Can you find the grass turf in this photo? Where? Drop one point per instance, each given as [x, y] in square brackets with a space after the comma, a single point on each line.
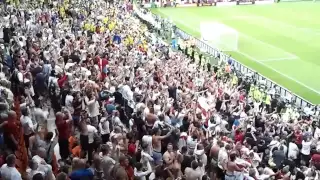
[280, 41]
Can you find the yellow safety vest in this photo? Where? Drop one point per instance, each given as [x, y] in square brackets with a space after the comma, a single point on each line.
[268, 99]
[234, 80]
[252, 89]
[257, 95]
[105, 20]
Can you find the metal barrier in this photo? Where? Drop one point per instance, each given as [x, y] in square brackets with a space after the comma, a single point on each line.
[299, 101]
[284, 92]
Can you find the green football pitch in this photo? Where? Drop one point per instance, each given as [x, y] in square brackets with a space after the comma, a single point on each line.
[280, 41]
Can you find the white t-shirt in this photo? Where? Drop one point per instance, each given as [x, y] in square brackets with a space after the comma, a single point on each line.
[243, 116]
[46, 168]
[293, 150]
[316, 133]
[27, 125]
[147, 139]
[222, 157]
[306, 147]
[83, 55]
[104, 126]
[91, 131]
[9, 173]
[1, 33]
[92, 107]
[68, 102]
[39, 115]
[116, 121]
[191, 143]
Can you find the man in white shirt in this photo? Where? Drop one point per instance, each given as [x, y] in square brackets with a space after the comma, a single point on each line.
[305, 150]
[116, 119]
[223, 156]
[68, 102]
[27, 125]
[104, 128]
[41, 163]
[39, 115]
[33, 169]
[138, 172]
[293, 150]
[8, 171]
[191, 143]
[93, 109]
[92, 132]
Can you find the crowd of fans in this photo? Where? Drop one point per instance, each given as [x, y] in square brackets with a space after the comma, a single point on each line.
[90, 91]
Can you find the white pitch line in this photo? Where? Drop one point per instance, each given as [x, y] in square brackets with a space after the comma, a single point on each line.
[243, 35]
[279, 72]
[269, 45]
[313, 31]
[278, 59]
[257, 61]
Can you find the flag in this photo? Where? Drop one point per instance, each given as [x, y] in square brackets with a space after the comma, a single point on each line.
[203, 106]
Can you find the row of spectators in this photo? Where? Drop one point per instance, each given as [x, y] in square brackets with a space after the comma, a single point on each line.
[89, 91]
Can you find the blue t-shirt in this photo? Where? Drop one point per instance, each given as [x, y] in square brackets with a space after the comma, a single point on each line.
[236, 122]
[110, 108]
[82, 174]
[117, 39]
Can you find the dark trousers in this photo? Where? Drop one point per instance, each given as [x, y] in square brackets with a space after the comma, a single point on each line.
[91, 148]
[84, 142]
[64, 148]
[9, 143]
[26, 140]
[105, 138]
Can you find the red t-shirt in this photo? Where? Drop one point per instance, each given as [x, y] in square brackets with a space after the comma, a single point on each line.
[239, 137]
[131, 149]
[11, 128]
[62, 80]
[315, 159]
[63, 129]
[130, 172]
[241, 97]
[298, 138]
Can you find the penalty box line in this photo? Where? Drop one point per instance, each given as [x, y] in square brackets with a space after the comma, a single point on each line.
[279, 59]
[257, 61]
[277, 71]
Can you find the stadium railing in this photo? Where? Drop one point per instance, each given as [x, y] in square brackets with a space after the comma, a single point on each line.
[299, 101]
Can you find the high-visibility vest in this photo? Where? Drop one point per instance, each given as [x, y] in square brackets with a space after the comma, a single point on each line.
[252, 89]
[234, 80]
[189, 51]
[105, 20]
[268, 99]
[257, 95]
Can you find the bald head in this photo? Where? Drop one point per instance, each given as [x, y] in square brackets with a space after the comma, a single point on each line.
[59, 115]
[78, 163]
[62, 176]
[11, 160]
[12, 114]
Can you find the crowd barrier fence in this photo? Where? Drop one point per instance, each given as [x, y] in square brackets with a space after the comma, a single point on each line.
[299, 101]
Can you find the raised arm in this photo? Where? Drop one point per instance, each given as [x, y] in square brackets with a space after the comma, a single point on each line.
[165, 136]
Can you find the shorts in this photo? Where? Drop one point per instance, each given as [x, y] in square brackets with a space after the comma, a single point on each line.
[219, 172]
[84, 142]
[157, 157]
